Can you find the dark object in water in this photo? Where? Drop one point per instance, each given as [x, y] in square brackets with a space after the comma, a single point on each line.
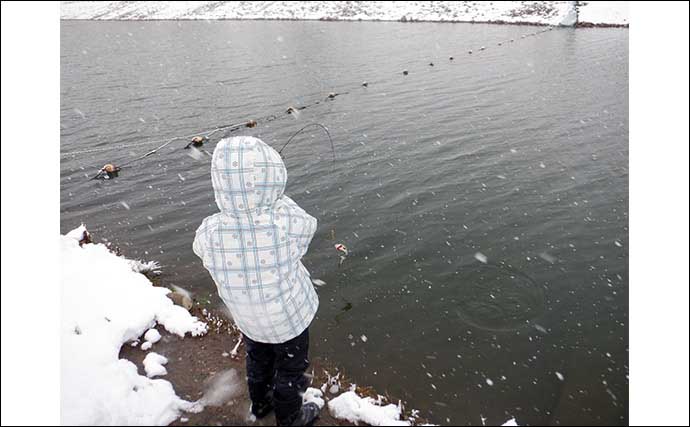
[405, 72]
[431, 64]
[470, 51]
[111, 168]
[251, 124]
[343, 311]
[197, 142]
[108, 171]
[292, 109]
[451, 58]
[365, 84]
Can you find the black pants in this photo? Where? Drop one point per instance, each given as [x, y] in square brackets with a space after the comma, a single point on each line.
[279, 368]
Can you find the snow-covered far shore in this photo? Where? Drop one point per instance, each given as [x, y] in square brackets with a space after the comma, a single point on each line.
[108, 303]
[605, 13]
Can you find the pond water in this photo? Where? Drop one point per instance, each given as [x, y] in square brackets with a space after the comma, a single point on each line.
[484, 200]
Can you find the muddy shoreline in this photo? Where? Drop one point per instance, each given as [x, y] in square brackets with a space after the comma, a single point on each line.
[193, 361]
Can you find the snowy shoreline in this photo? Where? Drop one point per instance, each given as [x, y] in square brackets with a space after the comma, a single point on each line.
[110, 308]
[107, 303]
[409, 21]
[579, 14]
[110, 314]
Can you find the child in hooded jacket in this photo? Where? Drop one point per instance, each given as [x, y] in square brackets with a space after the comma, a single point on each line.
[253, 248]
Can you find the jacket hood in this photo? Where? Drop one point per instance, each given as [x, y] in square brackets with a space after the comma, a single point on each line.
[247, 175]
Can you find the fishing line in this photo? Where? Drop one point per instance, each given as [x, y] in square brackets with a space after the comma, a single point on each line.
[302, 129]
[139, 144]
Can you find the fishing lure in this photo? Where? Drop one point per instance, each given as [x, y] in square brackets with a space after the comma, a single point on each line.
[342, 248]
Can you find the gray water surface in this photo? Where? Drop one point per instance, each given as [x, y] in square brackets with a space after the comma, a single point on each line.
[518, 153]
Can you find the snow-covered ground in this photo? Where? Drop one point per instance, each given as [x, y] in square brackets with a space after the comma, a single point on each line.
[604, 12]
[534, 12]
[106, 303]
[355, 409]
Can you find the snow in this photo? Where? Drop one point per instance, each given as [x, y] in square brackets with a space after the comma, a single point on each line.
[78, 233]
[604, 12]
[571, 15]
[234, 351]
[105, 304]
[153, 365]
[318, 282]
[546, 13]
[349, 406]
[144, 267]
[313, 395]
[152, 336]
[481, 257]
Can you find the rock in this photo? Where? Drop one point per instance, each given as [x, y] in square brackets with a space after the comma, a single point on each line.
[181, 300]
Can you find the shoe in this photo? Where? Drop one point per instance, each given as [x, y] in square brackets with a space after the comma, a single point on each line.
[261, 409]
[307, 415]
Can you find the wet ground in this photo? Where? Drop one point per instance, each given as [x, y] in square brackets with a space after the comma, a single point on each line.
[194, 362]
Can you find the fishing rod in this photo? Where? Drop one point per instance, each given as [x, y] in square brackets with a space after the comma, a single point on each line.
[302, 129]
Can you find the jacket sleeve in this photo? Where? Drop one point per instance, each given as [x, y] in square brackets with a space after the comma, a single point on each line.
[301, 230]
[199, 245]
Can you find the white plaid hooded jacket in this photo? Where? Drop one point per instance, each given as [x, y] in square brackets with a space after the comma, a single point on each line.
[253, 246]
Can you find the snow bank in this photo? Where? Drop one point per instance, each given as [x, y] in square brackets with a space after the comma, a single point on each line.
[349, 406]
[544, 12]
[105, 304]
[152, 336]
[604, 12]
[313, 395]
[153, 365]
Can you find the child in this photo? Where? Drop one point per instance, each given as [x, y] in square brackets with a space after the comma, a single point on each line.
[252, 248]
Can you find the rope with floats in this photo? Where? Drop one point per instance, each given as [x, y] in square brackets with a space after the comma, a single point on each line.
[199, 138]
